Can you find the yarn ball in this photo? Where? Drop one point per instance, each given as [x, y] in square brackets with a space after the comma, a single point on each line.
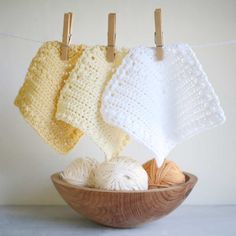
[80, 172]
[151, 169]
[121, 173]
[168, 174]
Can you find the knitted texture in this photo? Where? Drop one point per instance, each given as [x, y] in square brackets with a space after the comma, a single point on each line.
[80, 99]
[38, 96]
[161, 103]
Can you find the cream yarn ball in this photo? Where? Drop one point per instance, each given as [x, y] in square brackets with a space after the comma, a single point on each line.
[121, 173]
[80, 172]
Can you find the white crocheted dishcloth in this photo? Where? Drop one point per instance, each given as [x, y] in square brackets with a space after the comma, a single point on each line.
[161, 103]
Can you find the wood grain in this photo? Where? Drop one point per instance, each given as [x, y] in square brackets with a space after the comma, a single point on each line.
[111, 39]
[123, 209]
[158, 34]
[66, 35]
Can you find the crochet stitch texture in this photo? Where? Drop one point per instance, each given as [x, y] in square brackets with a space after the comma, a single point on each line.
[80, 99]
[38, 96]
[161, 103]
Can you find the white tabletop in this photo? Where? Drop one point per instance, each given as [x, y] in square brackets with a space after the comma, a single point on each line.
[61, 220]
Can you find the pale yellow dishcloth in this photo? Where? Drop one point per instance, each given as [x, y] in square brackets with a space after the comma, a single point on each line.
[80, 99]
[38, 96]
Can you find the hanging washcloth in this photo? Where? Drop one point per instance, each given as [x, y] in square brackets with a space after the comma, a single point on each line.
[80, 99]
[38, 96]
[161, 103]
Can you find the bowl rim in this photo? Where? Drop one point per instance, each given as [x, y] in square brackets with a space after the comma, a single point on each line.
[190, 179]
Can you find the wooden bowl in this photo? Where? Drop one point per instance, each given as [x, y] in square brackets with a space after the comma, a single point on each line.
[122, 209]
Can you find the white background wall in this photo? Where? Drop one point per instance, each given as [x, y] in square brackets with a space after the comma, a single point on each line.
[26, 162]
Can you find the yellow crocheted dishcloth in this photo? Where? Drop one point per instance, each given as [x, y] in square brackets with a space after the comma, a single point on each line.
[38, 96]
[80, 99]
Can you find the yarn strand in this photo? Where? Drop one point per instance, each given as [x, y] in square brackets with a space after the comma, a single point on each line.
[5, 35]
[203, 45]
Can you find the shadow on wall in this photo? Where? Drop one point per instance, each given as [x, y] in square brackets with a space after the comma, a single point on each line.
[25, 162]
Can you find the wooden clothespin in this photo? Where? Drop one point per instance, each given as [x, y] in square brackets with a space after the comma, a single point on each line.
[111, 37]
[66, 35]
[158, 34]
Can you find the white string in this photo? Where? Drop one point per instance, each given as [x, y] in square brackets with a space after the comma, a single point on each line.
[204, 45]
[19, 37]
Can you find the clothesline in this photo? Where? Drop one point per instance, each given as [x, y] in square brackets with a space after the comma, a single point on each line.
[204, 45]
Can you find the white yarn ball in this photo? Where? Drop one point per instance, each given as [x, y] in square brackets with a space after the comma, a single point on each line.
[80, 172]
[121, 173]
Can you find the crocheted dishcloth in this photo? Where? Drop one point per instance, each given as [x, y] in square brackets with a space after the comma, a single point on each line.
[80, 99]
[161, 103]
[38, 96]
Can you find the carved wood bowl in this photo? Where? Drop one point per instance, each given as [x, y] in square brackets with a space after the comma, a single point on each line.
[123, 209]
